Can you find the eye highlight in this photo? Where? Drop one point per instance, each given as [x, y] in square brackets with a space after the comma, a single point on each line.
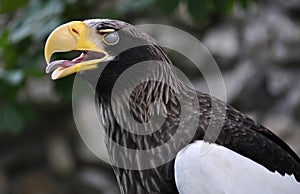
[111, 38]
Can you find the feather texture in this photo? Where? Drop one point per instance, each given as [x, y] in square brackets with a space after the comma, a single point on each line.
[155, 96]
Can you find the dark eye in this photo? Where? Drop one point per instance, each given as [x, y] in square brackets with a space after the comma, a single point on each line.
[99, 27]
[111, 38]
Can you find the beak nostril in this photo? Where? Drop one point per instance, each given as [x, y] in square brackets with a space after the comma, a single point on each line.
[75, 31]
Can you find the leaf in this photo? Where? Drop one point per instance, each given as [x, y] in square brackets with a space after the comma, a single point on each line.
[200, 9]
[223, 6]
[64, 88]
[7, 6]
[38, 20]
[12, 77]
[108, 13]
[168, 6]
[7, 51]
[34, 72]
[134, 5]
[13, 118]
[244, 3]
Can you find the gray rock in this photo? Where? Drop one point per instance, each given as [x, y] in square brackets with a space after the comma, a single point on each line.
[3, 183]
[59, 154]
[283, 126]
[239, 78]
[288, 4]
[271, 35]
[222, 41]
[35, 183]
[290, 101]
[279, 81]
[99, 180]
[235, 80]
[38, 90]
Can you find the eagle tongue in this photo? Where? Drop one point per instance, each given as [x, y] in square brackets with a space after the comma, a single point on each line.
[58, 63]
[64, 63]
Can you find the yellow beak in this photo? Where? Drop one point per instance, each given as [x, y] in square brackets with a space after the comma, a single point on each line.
[69, 37]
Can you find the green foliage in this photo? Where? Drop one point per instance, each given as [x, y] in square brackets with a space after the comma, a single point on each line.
[200, 9]
[25, 25]
[223, 6]
[9, 6]
[39, 19]
[168, 6]
[135, 5]
[14, 117]
[64, 88]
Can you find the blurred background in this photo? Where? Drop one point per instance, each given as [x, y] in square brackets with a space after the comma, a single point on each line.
[255, 43]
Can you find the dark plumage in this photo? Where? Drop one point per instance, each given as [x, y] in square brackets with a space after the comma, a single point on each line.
[239, 132]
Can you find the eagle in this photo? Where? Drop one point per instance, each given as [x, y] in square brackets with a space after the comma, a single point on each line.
[162, 135]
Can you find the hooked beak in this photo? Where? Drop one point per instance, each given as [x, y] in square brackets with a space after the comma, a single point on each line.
[72, 36]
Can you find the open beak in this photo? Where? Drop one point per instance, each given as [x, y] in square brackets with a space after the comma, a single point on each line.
[73, 36]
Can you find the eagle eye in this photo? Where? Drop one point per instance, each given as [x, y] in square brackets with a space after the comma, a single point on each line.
[111, 38]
